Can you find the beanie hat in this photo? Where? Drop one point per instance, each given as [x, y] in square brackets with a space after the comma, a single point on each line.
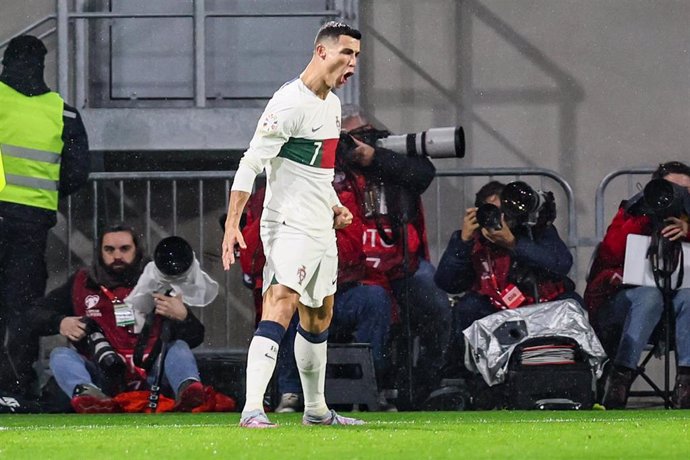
[25, 49]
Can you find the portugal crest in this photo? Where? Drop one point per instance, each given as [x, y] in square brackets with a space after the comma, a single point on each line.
[301, 274]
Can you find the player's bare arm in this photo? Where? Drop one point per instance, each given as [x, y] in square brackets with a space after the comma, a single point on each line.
[233, 235]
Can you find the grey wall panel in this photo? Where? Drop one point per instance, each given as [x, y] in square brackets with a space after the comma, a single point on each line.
[253, 57]
[246, 57]
[170, 129]
[152, 58]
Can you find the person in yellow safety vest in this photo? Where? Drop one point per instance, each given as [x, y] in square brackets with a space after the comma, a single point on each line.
[45, 155]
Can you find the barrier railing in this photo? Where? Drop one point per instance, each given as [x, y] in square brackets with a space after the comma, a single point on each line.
[189, 203]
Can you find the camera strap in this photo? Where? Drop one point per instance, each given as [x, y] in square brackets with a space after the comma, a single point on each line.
[124, 314]
[140, 347]
[665, 256]
[110, 295]
[508, 297]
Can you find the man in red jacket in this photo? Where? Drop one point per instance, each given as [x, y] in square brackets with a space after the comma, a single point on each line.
[387, 189]
[89, 311]
[625, 316]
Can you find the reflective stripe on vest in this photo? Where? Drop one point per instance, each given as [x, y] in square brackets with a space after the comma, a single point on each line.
[31, 145]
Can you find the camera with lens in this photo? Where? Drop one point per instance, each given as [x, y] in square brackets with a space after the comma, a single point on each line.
[489, 216]
[101, 350]
[663, 199]
[433, 143]
[524, 205]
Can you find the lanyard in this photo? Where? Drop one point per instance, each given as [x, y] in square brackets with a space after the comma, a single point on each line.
[113, 298]
[489, 264]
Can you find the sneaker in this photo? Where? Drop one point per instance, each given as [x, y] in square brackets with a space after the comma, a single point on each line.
[681, 392]
[617, 388]
[89, 399]
[289, 402]
[190, 395]
[331, 418]
[384, 404]
[256, 419]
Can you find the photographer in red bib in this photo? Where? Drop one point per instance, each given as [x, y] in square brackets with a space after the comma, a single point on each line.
[89, 311]
[502, 261]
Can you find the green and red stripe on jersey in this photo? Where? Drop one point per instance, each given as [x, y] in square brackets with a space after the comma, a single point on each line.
[310, 152]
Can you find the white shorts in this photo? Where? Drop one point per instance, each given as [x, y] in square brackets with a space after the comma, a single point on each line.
[305, 264]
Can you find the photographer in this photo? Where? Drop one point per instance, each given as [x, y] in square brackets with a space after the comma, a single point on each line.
[502, 263]
[89, 311]
[625, 316]
[387, 187]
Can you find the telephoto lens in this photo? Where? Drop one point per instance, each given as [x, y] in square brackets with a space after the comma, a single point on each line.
[103, 353]
[173, 256]
[519, 199]
[665, 199]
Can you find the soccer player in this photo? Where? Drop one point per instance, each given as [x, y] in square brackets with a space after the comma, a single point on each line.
[295, 142]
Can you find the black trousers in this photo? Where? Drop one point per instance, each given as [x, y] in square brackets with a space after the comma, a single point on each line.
[23, 277]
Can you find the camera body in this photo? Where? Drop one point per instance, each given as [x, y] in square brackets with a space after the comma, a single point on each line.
[489, 216]
[103, 353]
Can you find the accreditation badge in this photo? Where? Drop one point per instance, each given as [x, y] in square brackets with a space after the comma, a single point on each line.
[124, 314]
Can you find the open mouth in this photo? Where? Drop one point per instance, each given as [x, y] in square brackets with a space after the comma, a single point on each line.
[345, 77]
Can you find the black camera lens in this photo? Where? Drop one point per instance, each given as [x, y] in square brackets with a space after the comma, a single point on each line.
[173, 256]
[661, 197]
[519, 199]
[489, 217]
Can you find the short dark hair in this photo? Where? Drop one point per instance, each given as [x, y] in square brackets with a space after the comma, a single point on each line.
[671, 167]
[334, 29]
[492, 188]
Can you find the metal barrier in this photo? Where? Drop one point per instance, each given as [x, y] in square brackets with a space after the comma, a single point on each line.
[149, 178]
[189, 203]
[173, 177]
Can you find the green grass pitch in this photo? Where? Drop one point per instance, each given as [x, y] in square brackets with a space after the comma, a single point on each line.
[414, 435]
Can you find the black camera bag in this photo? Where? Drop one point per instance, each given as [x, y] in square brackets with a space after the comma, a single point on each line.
[549, 385]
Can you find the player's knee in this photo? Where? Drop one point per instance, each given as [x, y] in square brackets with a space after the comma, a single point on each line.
[316, 320]
[279, 304]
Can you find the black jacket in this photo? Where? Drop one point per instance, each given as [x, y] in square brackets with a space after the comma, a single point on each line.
[405, 178]
[75, 163]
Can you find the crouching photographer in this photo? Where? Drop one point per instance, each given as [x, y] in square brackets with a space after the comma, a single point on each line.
[507, 254]
[387, 185]
[89, 311]
[624, 315]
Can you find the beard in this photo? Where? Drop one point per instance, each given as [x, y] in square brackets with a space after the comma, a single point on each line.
[118, 273]
[117, 267]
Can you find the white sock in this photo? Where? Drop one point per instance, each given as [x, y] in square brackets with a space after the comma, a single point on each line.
[261, 361]
[311, 362]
